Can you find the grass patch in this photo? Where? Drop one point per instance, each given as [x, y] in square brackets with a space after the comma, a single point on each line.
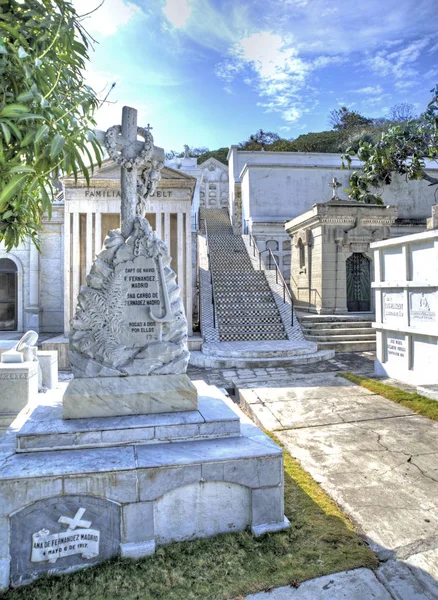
[320, 541]
[419, 404]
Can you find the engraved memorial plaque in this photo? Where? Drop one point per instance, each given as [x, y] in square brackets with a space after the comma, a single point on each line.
[61, 534]
[396, 348]
[422, 308]
[393, 306]
[141, 289]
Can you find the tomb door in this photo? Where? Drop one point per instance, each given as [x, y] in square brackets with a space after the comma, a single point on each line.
[8, 295]
[358, 283]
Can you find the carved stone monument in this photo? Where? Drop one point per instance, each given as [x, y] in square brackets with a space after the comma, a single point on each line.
[130, 457]
[129, 329]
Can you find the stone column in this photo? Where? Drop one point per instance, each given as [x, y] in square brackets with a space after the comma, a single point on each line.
[158, 224]
[33, 320]
[97, 232]
[188, 254]
[75, 259]
[67, 270]
[89, 243]
[180, 256]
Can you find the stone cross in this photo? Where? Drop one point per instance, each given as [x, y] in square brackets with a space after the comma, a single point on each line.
[128, 177]
[335, 185]
[75, 521]
[129, 147]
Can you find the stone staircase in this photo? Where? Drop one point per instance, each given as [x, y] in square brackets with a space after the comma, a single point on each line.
[245, 307]
[343, 333]
[249, 325]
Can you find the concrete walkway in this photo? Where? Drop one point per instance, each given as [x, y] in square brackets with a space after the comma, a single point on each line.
[360, 584]
[377, 459]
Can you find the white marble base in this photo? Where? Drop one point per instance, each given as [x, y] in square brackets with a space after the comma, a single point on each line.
[18, 384]
[133, 395]
[136, 550]
[48, 360]
[258, 530]
[138, 495]
[45, 429]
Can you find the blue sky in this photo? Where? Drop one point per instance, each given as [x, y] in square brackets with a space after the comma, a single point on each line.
[211, 72]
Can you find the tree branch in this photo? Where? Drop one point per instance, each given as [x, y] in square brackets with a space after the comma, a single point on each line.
[431, 180]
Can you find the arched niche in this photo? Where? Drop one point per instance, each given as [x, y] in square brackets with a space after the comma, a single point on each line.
[11, 293]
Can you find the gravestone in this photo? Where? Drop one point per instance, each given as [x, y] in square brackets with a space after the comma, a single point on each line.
[130, 320]
[130, 457]
[58, 534]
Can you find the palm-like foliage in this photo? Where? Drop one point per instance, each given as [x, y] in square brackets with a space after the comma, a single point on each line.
[45, 110]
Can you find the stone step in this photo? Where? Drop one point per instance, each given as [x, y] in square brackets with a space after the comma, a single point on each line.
[348, 346]
[339, 331]
[305, 317]
[326, 326]
[256, 327]
[279, 348]
[250, 316]
[256, 337]
[341, 338]
[198, 359]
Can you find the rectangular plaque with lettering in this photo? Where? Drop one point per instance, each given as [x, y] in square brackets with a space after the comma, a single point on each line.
[141, 288]
[393, 306]
[423, 308]
[396, 348]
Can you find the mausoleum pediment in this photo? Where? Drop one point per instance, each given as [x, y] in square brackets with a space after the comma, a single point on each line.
[213, 162]
[111, 171]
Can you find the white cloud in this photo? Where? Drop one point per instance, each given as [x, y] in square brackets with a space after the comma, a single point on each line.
[108, 18]
[399, 64]
[369, 90]
[277, 72]
[431, 74]
[178, 12]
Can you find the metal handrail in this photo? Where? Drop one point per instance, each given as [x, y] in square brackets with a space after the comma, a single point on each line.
[253, 244]
[278, 274]
[211, 273]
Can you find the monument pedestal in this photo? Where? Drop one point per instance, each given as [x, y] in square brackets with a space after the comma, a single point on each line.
[18, 384]
[132, 395]
[77, 492]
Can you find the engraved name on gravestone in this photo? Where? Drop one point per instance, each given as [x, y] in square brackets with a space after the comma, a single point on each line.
[393, 306]
[396, 348]
[59, 534]
[422, 308]
[140, 280]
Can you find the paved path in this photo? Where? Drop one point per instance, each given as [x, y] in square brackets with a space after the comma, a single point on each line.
[358, 362]
[377, 459]
[360, 584]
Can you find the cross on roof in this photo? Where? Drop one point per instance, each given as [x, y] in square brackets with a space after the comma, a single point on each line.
[75, 521]
[335, 185]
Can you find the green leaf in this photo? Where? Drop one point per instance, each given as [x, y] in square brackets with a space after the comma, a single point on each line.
[12, 188]
[30, 116]
[22, 169]
[26, 96]
[6, 131]
[56, 145]
[42, 132]
[27, 139]
[7, 214]
[13, 110]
